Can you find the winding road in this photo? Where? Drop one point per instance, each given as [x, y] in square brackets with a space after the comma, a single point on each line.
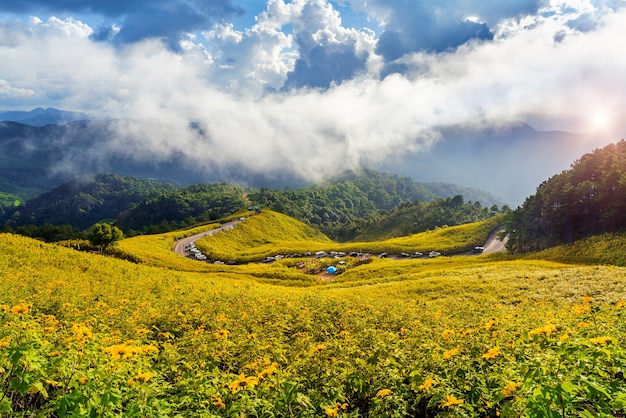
[181, 245]
[492, 244]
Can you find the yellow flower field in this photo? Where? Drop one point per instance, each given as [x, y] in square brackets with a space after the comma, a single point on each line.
[89, 335]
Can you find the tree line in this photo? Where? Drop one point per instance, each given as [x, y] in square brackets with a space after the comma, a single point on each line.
[342, 207]
[587, 199]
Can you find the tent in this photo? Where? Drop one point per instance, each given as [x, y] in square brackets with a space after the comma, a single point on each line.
[331, 269]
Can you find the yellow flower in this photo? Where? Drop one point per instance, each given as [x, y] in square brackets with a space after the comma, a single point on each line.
[143, 331]
[146, 349]
[620, 304]
[221, 334]
[217, 401]
[120, 351]
[450, 353]
[382, 393]
[20, 309]
[601, 340]
[546, 330]
[492, 353]
[82, 380]
[319, 347]
[428, 383]
[581, 309]
[81, 332]
[332, 412]
[5, 342]
[587, 299]
[144, 377]
[447, 333]
[53, 383]
[509, 389]
[490, 324]
[451, 400]
[243, 383]
[270, 370]
[125, 351]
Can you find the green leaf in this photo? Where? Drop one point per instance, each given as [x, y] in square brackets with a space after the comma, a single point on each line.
[5, 406]
[569, 388]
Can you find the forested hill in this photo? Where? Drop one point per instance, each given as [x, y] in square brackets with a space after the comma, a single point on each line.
[587, 199]
[344, 206]
[413, 217]
[84, 201]
[339, 207]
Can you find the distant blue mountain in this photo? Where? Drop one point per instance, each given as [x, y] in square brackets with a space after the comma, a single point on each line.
[42, 117]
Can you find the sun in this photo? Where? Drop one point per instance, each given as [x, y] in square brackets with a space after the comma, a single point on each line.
[600, 120]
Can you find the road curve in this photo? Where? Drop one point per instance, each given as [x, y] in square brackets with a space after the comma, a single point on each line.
[493, 244]
[179, 247]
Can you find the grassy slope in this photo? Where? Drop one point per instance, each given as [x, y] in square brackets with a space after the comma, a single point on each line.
[599, 249]
[271, 233]
[331, 343]
[339, 343]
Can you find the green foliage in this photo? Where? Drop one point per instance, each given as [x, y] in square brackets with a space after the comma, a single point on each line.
[413, 217]
[83, 202]
[103, 235]
[51, 233]
[8, 201]
[585, 200]
[344, 206]
[183, 207]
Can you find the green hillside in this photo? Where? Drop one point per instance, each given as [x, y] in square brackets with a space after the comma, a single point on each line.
[83, 202]
[413, 217]
[586, 200]
[341, 208]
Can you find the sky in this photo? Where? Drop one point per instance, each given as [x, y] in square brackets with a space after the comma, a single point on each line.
[313, 87]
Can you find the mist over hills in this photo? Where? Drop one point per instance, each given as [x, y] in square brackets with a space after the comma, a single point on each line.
[507, 160]
[42, 117]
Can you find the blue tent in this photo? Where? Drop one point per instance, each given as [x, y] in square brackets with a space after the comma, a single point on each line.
[331, 269]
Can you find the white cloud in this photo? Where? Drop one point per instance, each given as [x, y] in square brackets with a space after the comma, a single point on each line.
[310, 132]
[9, 91]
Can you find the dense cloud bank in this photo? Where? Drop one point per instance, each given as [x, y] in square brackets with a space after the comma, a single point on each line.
[298, 91]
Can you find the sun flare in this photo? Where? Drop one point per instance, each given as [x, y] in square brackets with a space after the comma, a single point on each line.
[600, 120]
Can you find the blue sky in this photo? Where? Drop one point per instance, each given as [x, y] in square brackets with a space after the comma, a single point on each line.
[303, 80]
